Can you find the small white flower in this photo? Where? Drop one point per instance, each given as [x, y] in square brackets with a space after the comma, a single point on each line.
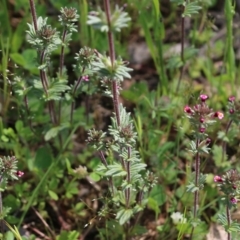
[177, 218]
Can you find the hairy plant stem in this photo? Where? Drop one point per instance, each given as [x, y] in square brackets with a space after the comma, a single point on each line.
[61, 64]
[44, 80]
[182, 49]
[128, 165]
[196, 193]
[224, 144]
[229, 221]
[112, 57]
[116, 103]
[34, 15]
[43, 75]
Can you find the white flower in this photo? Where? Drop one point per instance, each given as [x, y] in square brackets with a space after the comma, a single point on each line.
[177, 218]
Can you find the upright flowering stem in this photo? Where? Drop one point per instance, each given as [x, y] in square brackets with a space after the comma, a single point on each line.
[43, 75]
[127, 193]
[229, 221]
[62, 52]
[112, 57]
[33, 12]
[61, 69]
[196, 193]
[200, 117]
[197, 174]
[126, 165]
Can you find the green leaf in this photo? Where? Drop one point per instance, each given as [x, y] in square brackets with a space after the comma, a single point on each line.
[95, 177]
[136, 92]
[18, 59]
[124, 215]
[68, 235]
[43, 158]
[139, 230]
[15, 232]
[234, 227]
[56, 89]
[191, 8]
[53, 132]
[190, 52]
[153, 204]
[158, 194]
[53, 195]
[19, 126]
[192, 188]
[18, 36]
[8, 236]
[222, 218]
[115, 170]
[30, 57]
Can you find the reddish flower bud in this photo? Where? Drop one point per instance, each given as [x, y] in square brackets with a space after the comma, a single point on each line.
[208, 141]
[187, 109]
[234, 186]
[231, 111]
[203, 97]
[219, 115]
[19, 173]
[233, 200]
[231, 99]
[202, 129]
[217, 179]
[85, 78]
[201, 120]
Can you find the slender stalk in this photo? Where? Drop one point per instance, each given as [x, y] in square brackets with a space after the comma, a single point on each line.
[61, 64]
[229, 221]
[112, 57]
[128, 165]
[182, 49]
[43, 75]
[196, 193]
[103, 159]
[197, 175]
[34, 14]
[116, 103]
